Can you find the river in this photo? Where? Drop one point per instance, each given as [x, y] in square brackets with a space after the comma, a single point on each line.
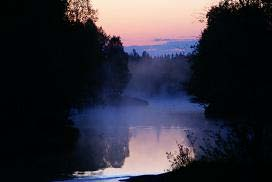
[119, 142]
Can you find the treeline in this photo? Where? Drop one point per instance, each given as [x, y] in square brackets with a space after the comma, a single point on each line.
[135, 56]
[231, 64]
[52, 60]
[231, 72]
[162, 75]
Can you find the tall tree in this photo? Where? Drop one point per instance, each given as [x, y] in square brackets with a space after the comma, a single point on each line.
[80, 10]
[230, 64]
[50, 65]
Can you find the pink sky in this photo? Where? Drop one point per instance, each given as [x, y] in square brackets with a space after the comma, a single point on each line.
[139, 22]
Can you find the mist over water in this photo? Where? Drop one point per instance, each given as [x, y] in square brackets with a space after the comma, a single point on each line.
[132, 137]
[157, 78]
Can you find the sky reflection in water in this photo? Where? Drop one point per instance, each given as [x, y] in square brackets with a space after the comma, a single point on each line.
[130, 141]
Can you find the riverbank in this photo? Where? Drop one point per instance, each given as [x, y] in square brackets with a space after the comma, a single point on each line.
[210, 171]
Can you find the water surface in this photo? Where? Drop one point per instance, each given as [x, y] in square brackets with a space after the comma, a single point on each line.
[124, 141]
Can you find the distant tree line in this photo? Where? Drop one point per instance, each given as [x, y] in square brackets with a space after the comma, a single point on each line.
[135, 56]
[160, 75]
[53, 57]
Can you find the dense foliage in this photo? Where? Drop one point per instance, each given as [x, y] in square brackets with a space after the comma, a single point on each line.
[231, 64]
[50, 64]
[231, 69]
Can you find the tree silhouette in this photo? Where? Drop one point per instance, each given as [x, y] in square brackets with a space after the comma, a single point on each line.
[80, 10]
[231, 67]
[230, 64]
[117, 73]
[49, 65]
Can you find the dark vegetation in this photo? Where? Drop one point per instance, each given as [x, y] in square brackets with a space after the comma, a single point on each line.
[205, 171]
[53, 57]
[231, 63]
[231, 67]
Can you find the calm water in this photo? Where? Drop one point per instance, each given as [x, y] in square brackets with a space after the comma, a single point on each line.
[118, 142]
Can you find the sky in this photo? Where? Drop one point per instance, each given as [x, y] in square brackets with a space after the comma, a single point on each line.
[152, 22]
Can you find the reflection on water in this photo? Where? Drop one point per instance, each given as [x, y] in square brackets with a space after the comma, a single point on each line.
[128, 141]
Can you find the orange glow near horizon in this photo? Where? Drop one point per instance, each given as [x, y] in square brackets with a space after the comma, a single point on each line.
[139, 22]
